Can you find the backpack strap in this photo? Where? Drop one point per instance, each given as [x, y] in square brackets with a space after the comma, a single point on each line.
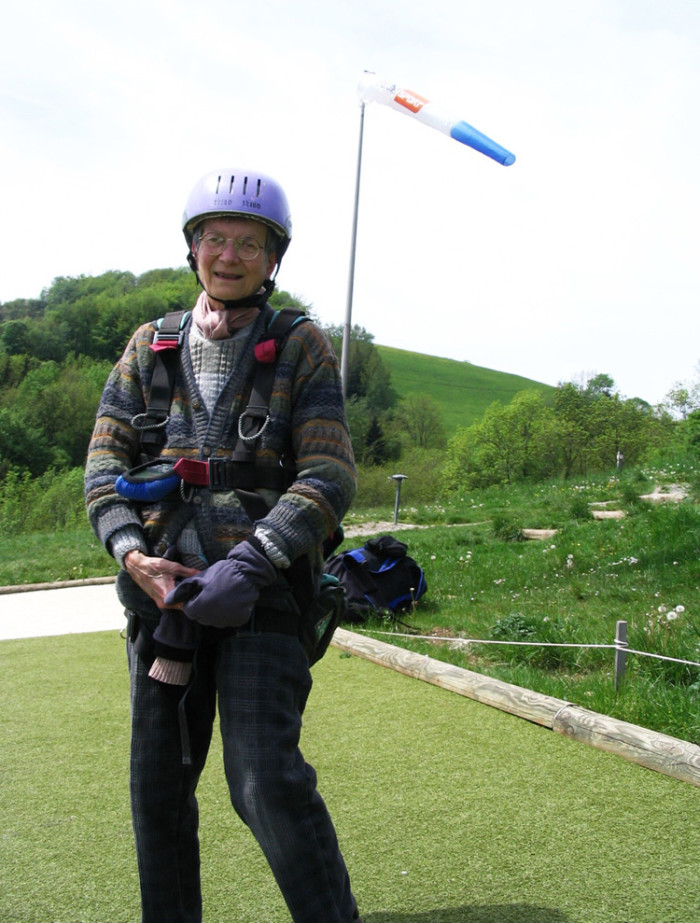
[358, 564]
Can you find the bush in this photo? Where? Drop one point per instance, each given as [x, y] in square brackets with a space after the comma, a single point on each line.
[630, 495]
[514, 627]
[375, 489]
[60, 503]
[50, 503]
[579, 508]
[17, 492]
[505, 528]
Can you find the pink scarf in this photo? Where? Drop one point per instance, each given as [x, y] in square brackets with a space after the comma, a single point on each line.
[218, 323]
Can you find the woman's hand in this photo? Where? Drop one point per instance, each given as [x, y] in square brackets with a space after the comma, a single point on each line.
[156, 576]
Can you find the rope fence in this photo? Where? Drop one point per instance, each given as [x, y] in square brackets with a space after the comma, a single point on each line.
[620, 646]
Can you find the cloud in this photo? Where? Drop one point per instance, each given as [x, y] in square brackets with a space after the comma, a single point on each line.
[581, 256]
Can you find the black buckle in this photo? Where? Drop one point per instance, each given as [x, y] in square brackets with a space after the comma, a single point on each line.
[220, 474]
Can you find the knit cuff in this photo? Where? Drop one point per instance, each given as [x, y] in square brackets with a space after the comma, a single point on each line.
[173, 672]
[130, 538]
[274, 553]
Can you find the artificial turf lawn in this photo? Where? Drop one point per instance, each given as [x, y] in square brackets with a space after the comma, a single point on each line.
[447, 811]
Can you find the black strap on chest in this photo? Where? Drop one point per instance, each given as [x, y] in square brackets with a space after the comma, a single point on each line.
[255, 418]
[166, 345]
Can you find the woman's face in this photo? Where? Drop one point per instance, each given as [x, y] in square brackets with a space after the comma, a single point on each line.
[225, 276]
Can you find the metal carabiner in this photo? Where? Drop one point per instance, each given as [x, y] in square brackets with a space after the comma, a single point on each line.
[247, 413]
[142, 427]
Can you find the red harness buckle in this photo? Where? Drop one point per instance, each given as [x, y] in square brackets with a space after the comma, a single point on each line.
[193, 471]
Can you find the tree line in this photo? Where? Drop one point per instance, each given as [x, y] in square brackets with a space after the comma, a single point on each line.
[56, 352]
[579, 429]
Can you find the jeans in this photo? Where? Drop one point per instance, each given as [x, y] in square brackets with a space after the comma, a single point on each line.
[262, 682]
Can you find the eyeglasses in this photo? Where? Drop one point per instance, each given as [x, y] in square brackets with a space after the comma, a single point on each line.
[247, 248]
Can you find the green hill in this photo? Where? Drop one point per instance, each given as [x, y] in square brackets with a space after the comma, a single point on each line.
[462, 390]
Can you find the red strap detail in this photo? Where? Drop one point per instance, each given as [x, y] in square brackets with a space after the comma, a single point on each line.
[266, 351]
[193, 471]
[163, 344]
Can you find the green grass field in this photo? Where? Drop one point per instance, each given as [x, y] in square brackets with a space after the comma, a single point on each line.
[447, 811]
[462, 391]
[644, 569]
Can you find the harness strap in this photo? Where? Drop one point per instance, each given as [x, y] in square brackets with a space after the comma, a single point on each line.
[166, 344]
[255, 417]
[225, 474]
[253, 504]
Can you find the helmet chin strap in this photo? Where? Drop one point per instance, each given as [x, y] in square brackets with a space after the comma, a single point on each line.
[258, 300]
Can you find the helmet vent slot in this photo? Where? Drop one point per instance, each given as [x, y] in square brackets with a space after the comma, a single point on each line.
[233, 192]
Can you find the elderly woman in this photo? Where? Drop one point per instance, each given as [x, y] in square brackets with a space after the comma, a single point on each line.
[217, 572]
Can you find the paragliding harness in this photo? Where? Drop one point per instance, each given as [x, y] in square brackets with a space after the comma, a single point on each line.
[314, 616]
[240, 472]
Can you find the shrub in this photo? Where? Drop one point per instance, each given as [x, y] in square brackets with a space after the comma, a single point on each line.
[579, 508]
[49, 503]
[505, 528]
[375, 489]
[514, 627]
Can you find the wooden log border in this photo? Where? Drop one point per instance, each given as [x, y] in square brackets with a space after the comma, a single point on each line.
[659, 752]
[58, 585]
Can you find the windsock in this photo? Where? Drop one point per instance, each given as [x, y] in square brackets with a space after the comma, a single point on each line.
[376, 89]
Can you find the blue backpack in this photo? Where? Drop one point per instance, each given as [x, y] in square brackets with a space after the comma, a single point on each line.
[379, 577]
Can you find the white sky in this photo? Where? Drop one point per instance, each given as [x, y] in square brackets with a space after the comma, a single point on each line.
[580, 258]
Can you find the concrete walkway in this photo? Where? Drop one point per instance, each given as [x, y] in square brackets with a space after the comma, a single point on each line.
[62, 611]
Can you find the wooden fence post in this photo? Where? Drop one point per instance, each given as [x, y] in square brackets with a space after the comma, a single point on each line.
[620, 654]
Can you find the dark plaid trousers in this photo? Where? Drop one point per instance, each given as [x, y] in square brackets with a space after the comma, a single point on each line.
[261, 682]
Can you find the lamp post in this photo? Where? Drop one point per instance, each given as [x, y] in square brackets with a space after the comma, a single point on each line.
[399, 478]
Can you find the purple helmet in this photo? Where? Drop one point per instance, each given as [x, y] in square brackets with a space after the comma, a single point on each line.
[236, 192]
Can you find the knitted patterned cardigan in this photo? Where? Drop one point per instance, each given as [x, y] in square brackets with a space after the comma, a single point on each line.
[307, 422]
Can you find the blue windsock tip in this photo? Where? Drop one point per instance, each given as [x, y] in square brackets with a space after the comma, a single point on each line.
[467, 134]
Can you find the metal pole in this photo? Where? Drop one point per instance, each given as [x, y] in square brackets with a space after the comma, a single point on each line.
[345, 353]
[399, 478]
[620, 654]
